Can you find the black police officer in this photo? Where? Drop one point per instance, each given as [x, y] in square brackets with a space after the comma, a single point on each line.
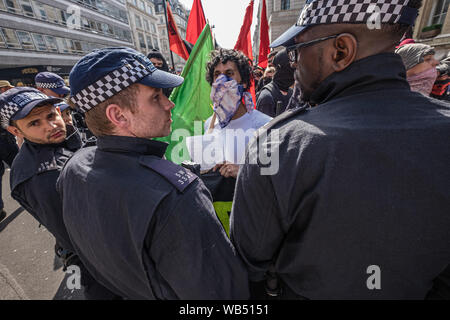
[143, 226]
[357, 205]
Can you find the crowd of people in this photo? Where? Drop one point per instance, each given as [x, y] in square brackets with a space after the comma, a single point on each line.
[362, 180]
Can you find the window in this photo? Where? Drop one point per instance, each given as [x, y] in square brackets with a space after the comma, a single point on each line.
[141, 40]
[52, 16]
[85, 46]
[25, 40]
[85, 24]
[62, 15]
[138, 21]
[2, 6]
[285, 4]
[51, 43]
[62, 45]
[141, 5]
[98, 26]
[27, 8]
[2, 40]
[74, 46]
[153, 28]
[149, 9]
[149, 42]
[123, 16]
[155, 43]
[127, 35]
[13, 6]
[147, 26]
[439, 12]
[106, 28]
[11, 38]
[40, 11]
[93, 26]
[39, 41]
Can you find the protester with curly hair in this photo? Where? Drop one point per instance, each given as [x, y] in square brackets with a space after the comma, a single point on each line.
[229, 72]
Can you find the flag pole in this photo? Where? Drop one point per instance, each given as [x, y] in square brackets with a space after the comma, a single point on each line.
[167, 30]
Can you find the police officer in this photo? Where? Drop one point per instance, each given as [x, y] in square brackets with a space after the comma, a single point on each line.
[8, 149]
[48, 143]
[359, 206]
[143, 226]
[51, 84]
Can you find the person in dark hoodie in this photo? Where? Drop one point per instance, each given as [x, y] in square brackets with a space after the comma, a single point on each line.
[274, 97]
[160, 63]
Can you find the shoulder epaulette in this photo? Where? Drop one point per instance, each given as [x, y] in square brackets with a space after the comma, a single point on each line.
[178, 176]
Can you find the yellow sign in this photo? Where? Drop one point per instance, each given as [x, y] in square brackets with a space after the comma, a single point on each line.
[223, 210]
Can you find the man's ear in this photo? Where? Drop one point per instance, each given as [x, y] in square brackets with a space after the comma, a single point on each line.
[345, 49]
[115, 114]
[15, 131]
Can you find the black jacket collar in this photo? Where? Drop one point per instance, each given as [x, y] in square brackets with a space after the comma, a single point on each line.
[132, 145]
[377, 72]
[34, 158]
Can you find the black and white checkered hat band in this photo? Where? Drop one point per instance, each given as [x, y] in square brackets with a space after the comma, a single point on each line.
[110, 85]
[351, 11]
[48, 85]
[7, 112]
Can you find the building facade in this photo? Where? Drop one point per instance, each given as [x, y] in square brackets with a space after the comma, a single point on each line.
[433, 26]
[181, 15]
[143, 22]
[52, 35]
[281, 15]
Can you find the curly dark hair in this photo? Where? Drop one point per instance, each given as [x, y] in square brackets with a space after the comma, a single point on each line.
[223, 56]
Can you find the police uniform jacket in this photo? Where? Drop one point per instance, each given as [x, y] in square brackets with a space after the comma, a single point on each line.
[146, 228]
[359, 208]
[33, 183]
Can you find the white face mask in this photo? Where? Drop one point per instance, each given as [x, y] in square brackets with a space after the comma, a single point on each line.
[226, 95]
[423, 82]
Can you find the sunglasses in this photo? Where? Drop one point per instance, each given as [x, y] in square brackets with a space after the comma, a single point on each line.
[293, 50]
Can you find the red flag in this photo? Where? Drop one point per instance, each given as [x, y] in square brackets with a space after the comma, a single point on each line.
[196, 22]
[176, 43]
[244, 42]
[263, 38]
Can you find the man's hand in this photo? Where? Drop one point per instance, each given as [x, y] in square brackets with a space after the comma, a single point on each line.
[227, 169]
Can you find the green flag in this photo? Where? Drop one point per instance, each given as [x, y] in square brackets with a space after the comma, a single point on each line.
[192, 99]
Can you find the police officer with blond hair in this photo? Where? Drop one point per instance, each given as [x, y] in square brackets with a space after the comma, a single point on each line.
[144, 227]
